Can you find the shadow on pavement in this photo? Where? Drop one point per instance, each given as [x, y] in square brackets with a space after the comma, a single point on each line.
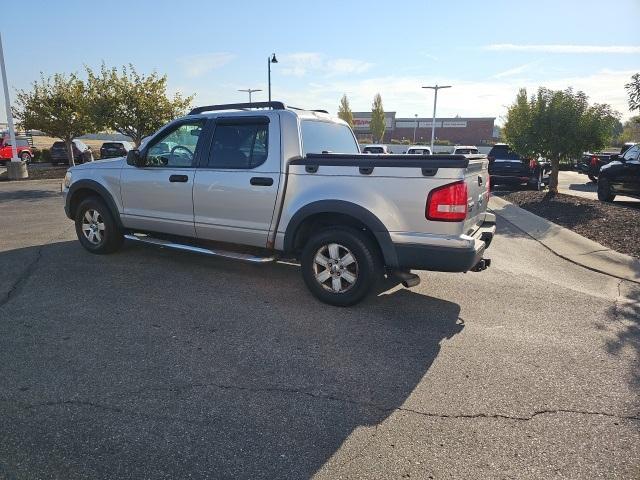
[150, 363]
[27, 195]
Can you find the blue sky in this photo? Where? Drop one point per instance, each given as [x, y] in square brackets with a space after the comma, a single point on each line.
[485, 49]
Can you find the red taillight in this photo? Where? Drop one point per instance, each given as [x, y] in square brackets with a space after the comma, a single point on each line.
[447, 203]
[594, 161]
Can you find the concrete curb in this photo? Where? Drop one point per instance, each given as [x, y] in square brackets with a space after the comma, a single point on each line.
[567, 244]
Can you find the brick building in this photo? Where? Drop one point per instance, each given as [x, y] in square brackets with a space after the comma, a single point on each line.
[458, 130]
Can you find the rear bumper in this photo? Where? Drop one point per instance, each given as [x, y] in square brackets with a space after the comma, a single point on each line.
[462, 257]
[510, 179]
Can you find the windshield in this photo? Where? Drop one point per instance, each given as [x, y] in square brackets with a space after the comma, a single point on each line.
[320, 137]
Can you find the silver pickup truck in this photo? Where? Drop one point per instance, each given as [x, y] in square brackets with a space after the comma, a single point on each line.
[262, 181]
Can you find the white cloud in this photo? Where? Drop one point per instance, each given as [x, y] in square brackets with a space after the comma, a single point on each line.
[301, 63]
[555, 48]
[198, 65]
[514, 71]
[489, 98]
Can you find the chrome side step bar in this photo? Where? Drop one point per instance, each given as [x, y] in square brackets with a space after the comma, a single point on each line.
[245, 257]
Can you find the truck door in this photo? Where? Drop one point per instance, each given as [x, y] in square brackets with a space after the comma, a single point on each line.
[236, 185]
[159, 196]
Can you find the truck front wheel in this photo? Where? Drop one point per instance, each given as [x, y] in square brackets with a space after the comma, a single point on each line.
[96, 228]
[340, 266]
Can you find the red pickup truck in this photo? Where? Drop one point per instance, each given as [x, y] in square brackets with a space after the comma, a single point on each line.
[22, 145]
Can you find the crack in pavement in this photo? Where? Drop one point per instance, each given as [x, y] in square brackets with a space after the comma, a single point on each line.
[320, 396]
[29, 270]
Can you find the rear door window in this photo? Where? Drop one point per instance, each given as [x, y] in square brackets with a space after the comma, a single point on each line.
[241, 146]
[319, 137]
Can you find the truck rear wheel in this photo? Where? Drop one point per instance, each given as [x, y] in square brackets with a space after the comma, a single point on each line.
[340, 266]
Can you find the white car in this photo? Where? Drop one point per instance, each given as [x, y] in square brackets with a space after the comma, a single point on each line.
[377, 148]
[465, 150]
[418, 150]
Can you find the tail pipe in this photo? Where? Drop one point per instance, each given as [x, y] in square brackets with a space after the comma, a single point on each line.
[407, 278]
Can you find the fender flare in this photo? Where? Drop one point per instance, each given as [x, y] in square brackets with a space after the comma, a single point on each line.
[100, 190]
[342, 207]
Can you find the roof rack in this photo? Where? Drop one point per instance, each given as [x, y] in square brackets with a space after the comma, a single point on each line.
[306, 109]
[238, 106]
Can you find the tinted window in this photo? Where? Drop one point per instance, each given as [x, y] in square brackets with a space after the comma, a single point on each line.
[239, 146]
[57, 145]
[176, 148]
[632, 153]
[318, 137]
[503, 152]
[418, 151]
[373, 150]
[466, 151]
[112, 145]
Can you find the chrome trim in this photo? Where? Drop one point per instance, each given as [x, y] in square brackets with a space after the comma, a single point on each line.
[202, 251]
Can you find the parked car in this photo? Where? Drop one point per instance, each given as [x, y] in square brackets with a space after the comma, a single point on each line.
[376, 149]
[257, 181]
[465, 150]
[621, 176]
[81, 153]
[418, 150]
[507, 167]
[591, 163]
[115, 149]
[24, 150]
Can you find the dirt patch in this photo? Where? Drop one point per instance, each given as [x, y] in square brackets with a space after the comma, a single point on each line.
[614, 226]
[41, 172]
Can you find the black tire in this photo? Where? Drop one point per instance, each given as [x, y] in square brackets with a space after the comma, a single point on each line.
[25, 157]
[538, 185]
[604, 191]
[593, 178]
[367, 269]
[110, 235]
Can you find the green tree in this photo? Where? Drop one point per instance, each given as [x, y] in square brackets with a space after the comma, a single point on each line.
[377, 119]
[57, 106]
[631, 130]
[557, 124]
[130, 103]
[633, 90]
[344, 111]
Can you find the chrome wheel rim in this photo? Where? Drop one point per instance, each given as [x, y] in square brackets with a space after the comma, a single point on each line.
[93, 226]
[335, 268]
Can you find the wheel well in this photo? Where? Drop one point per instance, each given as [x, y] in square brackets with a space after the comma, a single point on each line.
[79, 196]
[319, 221]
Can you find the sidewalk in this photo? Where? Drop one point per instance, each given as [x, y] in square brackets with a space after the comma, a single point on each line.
[567, 244]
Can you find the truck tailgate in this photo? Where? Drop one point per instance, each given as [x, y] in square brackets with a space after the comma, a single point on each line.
[477, 180]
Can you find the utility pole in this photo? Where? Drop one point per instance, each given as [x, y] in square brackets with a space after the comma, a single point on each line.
[415, 126]
[16, 169]
[250, 91]
[435, 88]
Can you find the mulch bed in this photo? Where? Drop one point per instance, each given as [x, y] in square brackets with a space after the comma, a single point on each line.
[614, 226]
[44, 172]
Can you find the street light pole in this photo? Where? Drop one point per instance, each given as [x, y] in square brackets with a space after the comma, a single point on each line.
[7, 102]
[415, 126]
[271, 59]
[250, 91]
[435, 88]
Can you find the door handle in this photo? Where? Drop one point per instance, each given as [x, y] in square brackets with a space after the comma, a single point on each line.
[261, 181]
[178, 178]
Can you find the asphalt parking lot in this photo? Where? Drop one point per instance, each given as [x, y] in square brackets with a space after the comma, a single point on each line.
[155, 364]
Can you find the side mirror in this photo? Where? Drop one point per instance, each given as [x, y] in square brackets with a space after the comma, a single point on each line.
[134, 158]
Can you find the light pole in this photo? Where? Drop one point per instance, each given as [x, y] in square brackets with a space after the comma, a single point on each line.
[271, 59]
[435, 88]
[415, 126]
[16, 169]
[250, 91]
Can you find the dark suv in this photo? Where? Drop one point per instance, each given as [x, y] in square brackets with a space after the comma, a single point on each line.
[115, 149]
[621, 176]
[507, 167]
[81, 153]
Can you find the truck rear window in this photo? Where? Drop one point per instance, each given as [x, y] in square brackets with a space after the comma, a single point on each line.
[319, 137]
